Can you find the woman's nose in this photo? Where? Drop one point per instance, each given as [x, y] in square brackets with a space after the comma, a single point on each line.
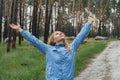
[60, 33]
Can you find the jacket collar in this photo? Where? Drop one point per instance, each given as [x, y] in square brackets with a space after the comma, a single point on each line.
[54, 48]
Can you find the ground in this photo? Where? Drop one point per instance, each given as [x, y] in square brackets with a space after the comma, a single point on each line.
[105, 66]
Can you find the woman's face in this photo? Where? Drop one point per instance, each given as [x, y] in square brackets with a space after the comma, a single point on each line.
[58, 36]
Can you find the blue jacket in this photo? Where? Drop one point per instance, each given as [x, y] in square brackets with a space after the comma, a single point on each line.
[59, 61]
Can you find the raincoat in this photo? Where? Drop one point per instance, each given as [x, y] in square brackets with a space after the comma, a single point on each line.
[59, 61]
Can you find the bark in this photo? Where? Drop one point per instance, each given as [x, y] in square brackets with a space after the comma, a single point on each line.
[46, 34]
[13, 19]
[34, 21]
[21, 20]
[101, 18]
[58, 27]
[50, 14]
[1, 6]
[6, 20]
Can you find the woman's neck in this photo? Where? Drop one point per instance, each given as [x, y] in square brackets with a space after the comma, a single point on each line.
[60, 42]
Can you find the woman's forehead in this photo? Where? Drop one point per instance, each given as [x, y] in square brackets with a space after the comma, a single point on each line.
[58, 32]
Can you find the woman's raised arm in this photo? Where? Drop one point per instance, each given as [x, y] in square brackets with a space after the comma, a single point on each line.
[30, 38]
[82, 34]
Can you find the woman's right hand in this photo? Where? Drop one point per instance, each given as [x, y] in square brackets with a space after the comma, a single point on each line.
[16, 27]
[91, 20]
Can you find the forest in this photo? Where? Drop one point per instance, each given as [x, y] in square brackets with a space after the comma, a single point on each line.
[42, 17]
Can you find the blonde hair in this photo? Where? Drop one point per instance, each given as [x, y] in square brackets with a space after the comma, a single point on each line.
[51, 42]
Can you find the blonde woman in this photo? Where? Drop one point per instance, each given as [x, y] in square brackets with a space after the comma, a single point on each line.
[60, 56]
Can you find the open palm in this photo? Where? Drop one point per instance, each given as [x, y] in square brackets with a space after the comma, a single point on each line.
[13, 26]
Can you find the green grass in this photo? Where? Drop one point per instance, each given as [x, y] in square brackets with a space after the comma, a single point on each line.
[23, 63]
[27, 63]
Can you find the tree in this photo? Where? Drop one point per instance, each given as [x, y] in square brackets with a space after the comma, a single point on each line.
[21, 19]
[13, 19]
[101, 18]
[5, 34]
[48, 14]
[35, 19]
[59, 20]
[1, 6]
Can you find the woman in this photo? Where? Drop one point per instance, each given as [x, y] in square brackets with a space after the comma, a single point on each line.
[60, 56]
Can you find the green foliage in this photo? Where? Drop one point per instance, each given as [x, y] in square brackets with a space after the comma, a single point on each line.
[104, 31]
[92, 34]
[85, 2]
[108, 12]
[118, 7]
[30, 2]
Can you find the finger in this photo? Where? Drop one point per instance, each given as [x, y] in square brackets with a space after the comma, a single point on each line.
[10, 25]
[13, 25]
[18, 24]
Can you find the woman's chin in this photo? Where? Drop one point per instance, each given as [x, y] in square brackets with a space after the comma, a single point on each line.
[63, 38]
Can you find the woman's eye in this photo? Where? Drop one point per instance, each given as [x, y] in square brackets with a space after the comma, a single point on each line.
[57, 33]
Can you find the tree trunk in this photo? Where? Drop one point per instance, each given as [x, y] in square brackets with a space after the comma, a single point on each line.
[21, 20]
[46, 32]
[5, 34]
[58, 26]
[1, 6]
[101, 18]
[25, 6]
[50, 13]
[39, 19]
[13, 19]
[34, 21]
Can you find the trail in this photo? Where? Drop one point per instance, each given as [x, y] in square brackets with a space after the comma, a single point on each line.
[106, 66]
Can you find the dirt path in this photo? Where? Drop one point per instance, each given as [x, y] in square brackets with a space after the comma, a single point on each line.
[104, 67]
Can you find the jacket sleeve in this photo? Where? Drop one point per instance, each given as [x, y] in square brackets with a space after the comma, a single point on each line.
[34, 41]
[81, 36]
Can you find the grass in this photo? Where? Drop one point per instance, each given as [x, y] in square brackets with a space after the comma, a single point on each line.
[27, 63]
[23, 63]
